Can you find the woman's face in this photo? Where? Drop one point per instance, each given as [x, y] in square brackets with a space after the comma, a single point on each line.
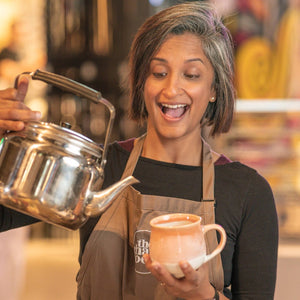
[178, 87]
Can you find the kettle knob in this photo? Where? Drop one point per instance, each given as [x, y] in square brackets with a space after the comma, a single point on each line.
[65, 125]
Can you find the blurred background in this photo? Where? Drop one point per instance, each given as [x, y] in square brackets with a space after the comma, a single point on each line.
[88, 41]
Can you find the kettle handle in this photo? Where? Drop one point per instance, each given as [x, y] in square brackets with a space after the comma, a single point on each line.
[78, 89]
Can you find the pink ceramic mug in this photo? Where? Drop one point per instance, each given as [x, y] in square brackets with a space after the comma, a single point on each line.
[177, 237]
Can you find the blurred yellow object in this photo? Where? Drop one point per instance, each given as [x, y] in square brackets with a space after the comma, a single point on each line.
[253, 68]
[264, 70]
[287, 65]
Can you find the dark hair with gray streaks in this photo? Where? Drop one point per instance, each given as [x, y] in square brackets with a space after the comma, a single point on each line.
[200, 19]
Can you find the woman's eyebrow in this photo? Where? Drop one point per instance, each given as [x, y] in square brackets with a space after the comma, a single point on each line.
[195, 59]
[159, 59]
[186, 61]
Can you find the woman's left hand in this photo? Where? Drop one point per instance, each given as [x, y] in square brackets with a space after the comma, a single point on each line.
[195, 284]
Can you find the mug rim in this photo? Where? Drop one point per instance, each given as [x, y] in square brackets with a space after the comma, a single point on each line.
[167, 217]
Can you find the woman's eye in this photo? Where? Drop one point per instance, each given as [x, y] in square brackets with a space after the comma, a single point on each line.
[192, 76]
[159, 74]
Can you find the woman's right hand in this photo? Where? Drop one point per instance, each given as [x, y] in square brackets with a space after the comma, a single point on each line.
[13, 112]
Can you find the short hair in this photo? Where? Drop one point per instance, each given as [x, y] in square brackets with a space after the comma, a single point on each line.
[202, 20]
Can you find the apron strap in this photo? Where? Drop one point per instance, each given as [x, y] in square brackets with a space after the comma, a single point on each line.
[216, 274]
[208, 176]
[134, 156]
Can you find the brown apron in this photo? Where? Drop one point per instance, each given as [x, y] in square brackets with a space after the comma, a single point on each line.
[112, 264]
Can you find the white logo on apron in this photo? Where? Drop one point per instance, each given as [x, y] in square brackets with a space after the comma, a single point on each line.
[141, 247]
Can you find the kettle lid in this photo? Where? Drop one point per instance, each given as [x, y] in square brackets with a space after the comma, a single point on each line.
[63, 137]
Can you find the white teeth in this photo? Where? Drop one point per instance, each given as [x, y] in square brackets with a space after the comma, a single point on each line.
[173, 106]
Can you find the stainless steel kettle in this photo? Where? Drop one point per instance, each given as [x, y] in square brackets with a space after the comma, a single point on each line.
[53, 173]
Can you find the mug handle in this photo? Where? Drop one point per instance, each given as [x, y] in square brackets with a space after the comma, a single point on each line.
[222, 243]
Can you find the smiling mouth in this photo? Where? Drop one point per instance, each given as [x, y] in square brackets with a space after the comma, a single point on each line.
[174, 110]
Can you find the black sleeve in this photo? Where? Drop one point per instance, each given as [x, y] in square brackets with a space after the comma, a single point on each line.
[255, 257]
[10, 219]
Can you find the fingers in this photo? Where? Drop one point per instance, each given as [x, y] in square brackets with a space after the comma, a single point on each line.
[22, 88]
[190, 274]
[8, 94]
[162, 274]
[159, 271]
[23, 115]
[11, 126]
[176, 287]
[18, 93]
[193, 284]
[13, 111]
[14, 120]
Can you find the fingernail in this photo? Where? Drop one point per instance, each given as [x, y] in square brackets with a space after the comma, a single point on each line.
[184, 265]
[38, 114]
[156, 266]
[19, 125]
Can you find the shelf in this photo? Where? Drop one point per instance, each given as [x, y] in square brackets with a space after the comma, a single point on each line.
[267, 105]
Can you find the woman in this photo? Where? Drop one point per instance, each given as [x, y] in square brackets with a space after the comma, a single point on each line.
[181, 80]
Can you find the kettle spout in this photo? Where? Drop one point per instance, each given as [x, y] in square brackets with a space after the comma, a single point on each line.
[102, 200]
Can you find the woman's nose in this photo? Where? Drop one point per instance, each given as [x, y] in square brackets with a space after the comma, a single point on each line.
[172, 86]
